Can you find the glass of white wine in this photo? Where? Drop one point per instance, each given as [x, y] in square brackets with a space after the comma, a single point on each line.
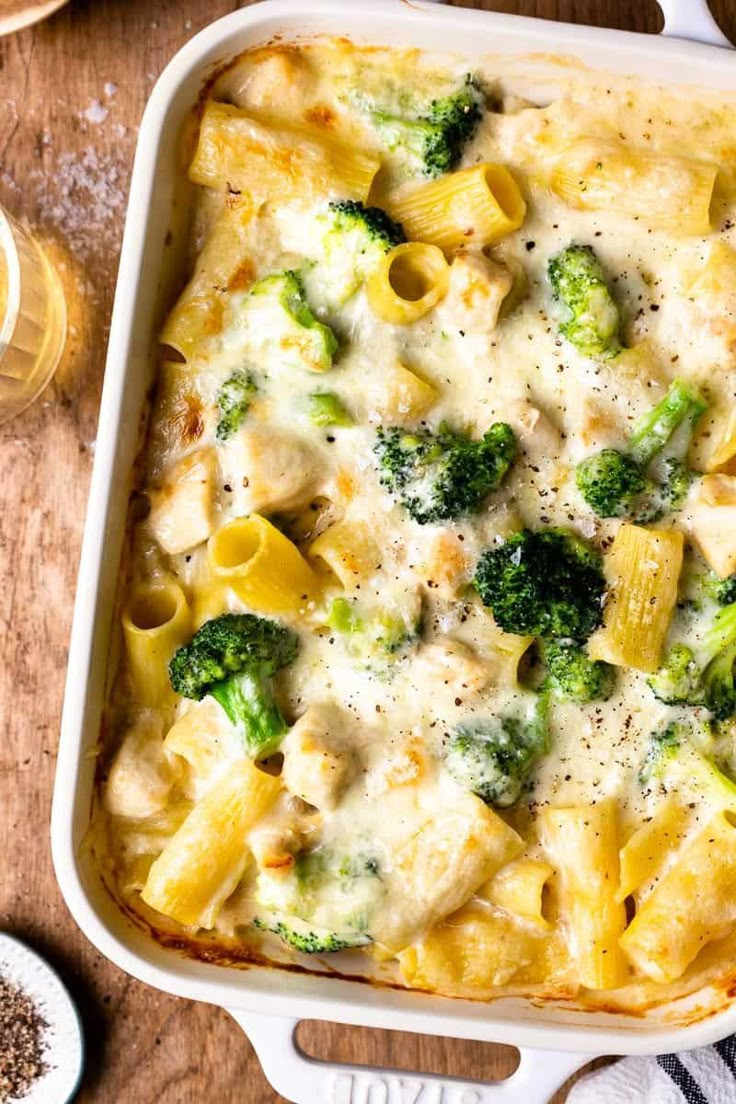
[32, 318]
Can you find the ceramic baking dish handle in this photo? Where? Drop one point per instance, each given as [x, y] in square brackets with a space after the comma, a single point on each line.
[691, 19]
[304, 1080]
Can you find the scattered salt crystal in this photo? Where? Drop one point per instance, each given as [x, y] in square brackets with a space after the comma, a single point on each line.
[82, 197]
[188, 25]
[95, 112]
[78, 196]
[110, 88]
[7, 181]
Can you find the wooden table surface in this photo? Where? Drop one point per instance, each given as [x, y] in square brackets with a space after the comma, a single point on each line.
[71, 95]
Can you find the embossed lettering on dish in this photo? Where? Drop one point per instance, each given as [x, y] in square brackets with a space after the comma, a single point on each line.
[349, 1088]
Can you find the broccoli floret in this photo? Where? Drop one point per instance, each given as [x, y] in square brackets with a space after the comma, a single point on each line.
[725, 591]
[444, 475]
[704, 587]
[233, 400]
[377, 635]
[494, 758]
[342, 616]
[616, 484]
[719, 648]
[327, 409]
[548, 583]
[281, 318]
[435, 141]
[610, 482]
[678, 679]
[664, 746]
[360, 865]
[357, 238]
[233, 658]
[572, 674]
[578, 282]
[307, 939]
[682, 403]
[692, 754]
[372, 227]
[702, 676]
[676, 484]
[325, 903]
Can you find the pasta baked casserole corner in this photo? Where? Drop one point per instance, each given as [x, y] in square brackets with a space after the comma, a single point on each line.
[429, 600]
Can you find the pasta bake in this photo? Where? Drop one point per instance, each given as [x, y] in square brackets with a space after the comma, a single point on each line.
[429, 605]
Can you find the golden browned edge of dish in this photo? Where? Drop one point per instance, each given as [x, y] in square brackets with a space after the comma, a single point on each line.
[231, 953]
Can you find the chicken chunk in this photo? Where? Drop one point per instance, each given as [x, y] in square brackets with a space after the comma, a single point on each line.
[182, 504]
[454, 667]
[270, 471]
[537, 432]
[318, 766]
[478, 287]
[446, 564]
[279, 83]
[495, 653]
[140, 778]
[276, 842]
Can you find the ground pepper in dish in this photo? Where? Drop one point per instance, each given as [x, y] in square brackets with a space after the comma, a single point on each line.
[22, 1044]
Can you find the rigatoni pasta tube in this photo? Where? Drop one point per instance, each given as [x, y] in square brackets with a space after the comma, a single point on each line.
[477, 206]
[409, 280]
[518, 889]
[398, 395]
[156, 620]
[441, 864]
[714, 522]
[711, 291]
[210, 598]
[202, 865]
[349, 550]
[694, 904]
[262, 566]
[642, 568]
[203, 737]
[225, 262]
[475, 951]
[724, 452]
[666, 193]
[582, 842]
[650, 846]
[715, 279]
[274, 158]
[503, 657]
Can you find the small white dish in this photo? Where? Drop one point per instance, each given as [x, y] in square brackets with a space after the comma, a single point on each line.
[64, 1046]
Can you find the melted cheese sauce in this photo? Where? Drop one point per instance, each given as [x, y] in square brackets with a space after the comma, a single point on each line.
[394, 716]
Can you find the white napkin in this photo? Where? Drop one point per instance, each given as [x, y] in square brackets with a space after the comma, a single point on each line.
[704, 1076]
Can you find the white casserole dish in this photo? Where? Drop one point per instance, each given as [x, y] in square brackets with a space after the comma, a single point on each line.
[267, 1002]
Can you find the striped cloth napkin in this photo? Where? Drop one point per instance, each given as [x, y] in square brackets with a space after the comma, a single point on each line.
[704, 1076]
